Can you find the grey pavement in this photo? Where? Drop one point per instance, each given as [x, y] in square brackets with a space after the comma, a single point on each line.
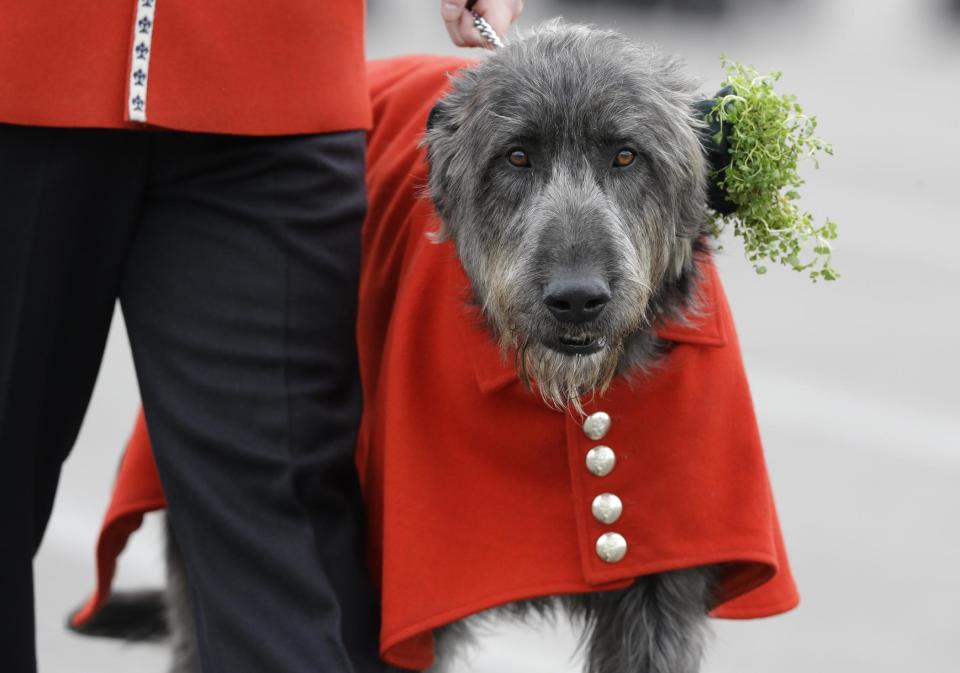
[855, 382]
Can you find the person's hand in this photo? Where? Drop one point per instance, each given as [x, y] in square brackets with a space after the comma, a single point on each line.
[459, 21]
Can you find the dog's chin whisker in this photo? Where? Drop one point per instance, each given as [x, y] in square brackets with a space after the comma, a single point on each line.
[567, 382]
[507, 343]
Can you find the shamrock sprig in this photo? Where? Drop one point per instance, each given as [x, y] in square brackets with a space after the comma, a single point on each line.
[768, 135]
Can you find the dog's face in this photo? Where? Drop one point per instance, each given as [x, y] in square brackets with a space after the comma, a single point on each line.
[568, 169]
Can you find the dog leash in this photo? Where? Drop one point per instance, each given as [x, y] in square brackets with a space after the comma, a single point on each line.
[484, 28]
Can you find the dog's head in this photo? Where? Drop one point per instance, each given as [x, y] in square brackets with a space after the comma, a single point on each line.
[568, 169]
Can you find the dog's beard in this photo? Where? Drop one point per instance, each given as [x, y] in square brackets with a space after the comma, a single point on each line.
[567, 380]
[563, 380]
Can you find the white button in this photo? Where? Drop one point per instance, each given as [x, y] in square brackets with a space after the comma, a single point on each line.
[596, 425]
[611, 547]
[607, 508]
[601, 460]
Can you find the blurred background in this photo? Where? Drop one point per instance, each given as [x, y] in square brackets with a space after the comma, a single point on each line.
[855, 382]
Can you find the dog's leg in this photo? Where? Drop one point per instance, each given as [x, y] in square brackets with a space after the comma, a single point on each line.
[658, 625]
[183, 634]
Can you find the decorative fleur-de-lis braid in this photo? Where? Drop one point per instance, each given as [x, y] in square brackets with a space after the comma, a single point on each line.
[140, 63]
[486, 30]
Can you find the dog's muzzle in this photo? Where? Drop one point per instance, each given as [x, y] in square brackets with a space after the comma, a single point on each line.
[576, 300]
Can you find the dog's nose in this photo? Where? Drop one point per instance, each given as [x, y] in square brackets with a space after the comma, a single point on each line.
[576, 299]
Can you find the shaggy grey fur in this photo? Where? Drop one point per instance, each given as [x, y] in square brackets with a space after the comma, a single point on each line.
[572, 97]
[657, 625]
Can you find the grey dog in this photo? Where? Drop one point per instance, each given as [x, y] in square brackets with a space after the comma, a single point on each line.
[568, 170]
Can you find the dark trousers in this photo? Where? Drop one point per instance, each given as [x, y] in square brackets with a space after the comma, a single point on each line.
[236, 261]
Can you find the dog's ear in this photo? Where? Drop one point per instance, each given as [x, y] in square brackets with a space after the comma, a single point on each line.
[435, 117]
[439, 159]
[714, 138]
[442, 118]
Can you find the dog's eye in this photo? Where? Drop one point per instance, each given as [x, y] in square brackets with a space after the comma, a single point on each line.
[518, 158]
[624, 158]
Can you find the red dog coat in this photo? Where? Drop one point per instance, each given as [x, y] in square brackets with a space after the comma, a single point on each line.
[478, 493]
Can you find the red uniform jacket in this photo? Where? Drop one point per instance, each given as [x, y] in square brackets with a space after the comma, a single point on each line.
[253, 67]
[478, 494]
